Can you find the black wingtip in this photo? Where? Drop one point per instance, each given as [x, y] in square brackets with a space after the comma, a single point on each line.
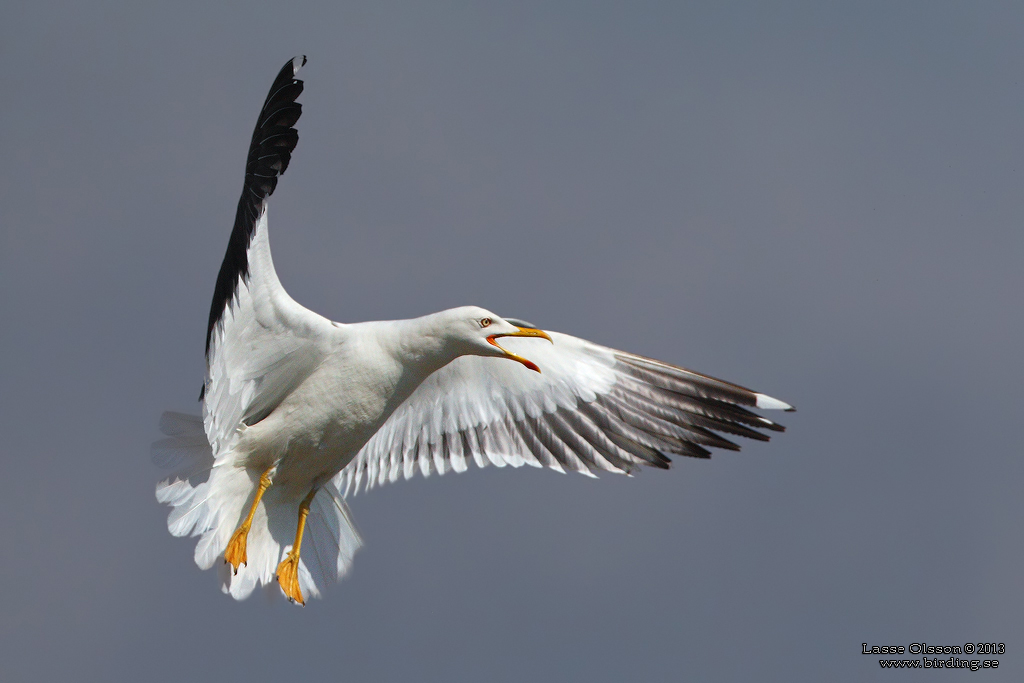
[790, 409]
[270, 151]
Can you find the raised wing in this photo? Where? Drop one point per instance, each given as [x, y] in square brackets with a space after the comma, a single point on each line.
[260, 344]
[592, 408]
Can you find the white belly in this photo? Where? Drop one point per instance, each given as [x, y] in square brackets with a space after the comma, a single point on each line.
[321, 426]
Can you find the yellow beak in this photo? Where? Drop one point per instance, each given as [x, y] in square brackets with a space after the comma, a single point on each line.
[522, 332]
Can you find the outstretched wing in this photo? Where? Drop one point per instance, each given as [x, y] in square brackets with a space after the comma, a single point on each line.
[260, 344]
[591, 408]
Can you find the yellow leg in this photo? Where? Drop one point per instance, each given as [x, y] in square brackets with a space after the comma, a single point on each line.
[235, 554]
[288, 570]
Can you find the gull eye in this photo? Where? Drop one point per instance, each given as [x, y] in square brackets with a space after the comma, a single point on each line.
[484, 322]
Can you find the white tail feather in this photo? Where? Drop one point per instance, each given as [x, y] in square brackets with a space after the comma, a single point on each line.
[210, 498]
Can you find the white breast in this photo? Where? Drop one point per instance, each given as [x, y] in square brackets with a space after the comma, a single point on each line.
[320, 426]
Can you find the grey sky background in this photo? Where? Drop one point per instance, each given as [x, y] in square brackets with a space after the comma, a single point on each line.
[821, 202]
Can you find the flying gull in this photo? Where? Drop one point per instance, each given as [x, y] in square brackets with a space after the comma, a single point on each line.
[300, 412]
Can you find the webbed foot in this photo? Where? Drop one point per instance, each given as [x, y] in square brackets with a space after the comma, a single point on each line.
[288, 577]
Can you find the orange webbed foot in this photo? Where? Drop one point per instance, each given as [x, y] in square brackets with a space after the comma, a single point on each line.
[235, 553]
[288, 577]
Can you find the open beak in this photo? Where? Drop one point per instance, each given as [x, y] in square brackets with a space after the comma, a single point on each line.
[522, 332]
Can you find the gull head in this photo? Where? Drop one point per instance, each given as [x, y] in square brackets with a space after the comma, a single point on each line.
[476, 331]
